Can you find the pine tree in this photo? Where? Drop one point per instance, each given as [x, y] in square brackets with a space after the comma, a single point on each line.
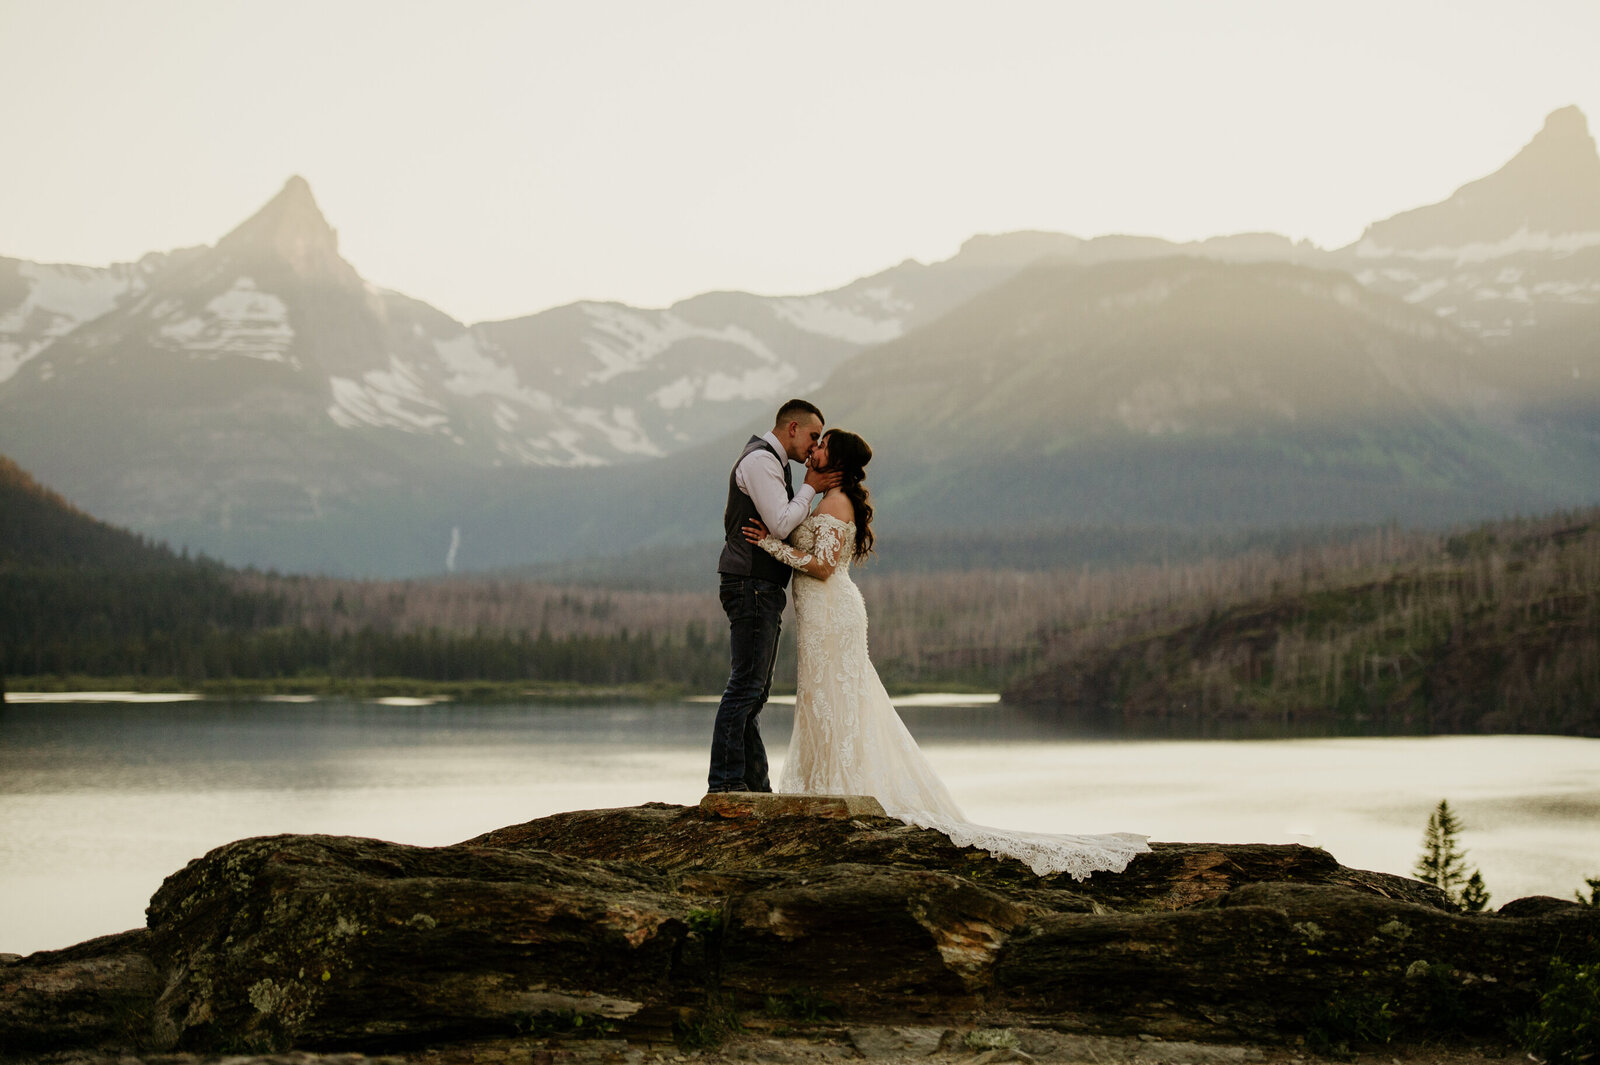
[1444, 865]
[1441, 864]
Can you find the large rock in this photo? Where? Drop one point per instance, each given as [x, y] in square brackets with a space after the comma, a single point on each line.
[98, 992]
[645, 921]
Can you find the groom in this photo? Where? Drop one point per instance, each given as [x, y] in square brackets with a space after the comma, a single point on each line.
[753, 583]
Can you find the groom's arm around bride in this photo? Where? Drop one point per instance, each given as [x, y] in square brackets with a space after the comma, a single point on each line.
[752, 586]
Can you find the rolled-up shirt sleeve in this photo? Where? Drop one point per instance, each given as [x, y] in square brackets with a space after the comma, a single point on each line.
[761, 477]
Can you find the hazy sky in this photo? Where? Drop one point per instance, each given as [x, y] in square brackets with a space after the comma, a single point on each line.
[497, 158]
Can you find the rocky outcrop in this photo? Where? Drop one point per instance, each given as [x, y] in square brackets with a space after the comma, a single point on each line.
[97, 993]
[655, 922]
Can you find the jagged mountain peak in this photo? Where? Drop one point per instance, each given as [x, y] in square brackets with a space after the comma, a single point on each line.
[1550, 188]
[1566, 123]
[291, 227]
[1560, 159]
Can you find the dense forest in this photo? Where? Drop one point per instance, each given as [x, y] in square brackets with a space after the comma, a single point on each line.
[81, 600]
[1491, 628]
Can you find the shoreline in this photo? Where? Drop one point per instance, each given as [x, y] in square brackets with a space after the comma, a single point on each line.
[407, 691]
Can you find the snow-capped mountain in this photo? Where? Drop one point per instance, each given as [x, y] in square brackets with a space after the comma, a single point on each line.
[1510, 253]
[259, 400]
[1183, 390]
[586, 384]
[262, 380]
[43, 303]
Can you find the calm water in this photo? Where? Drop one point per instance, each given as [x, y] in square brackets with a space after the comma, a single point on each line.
[99, 802]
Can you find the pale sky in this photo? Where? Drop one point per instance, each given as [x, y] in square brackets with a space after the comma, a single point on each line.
[496, 157]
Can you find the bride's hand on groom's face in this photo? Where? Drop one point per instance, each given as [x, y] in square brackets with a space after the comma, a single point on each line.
[755, 531]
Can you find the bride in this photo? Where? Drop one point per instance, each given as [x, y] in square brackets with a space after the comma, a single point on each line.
[848, 739]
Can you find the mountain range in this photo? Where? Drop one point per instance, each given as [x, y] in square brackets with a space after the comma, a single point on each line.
[258, 400]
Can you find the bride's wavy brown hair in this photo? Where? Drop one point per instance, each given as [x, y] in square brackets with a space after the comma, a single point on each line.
[849, 454]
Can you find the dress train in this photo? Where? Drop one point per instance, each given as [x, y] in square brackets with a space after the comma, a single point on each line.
[849, 740]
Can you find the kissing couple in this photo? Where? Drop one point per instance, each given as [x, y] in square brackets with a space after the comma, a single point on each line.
[848, 739]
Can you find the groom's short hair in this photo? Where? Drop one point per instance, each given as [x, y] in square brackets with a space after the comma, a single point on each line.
[791, 411]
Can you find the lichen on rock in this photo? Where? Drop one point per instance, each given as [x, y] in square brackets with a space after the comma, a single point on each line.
[646, 922]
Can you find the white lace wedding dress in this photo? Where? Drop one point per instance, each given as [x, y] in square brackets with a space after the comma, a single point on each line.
[848, 739]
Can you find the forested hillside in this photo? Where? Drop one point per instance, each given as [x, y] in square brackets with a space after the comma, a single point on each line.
[1494, 630]
[39, 529]
[1489, 628]
[80, 596]
[83, 601]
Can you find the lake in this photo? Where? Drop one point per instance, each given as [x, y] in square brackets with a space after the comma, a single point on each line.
[99, 801]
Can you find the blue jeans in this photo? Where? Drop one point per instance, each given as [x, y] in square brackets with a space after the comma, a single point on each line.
[755, 611]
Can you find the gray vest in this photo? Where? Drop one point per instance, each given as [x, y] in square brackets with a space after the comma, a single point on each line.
[740, 557]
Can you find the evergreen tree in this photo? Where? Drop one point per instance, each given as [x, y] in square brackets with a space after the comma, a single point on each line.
[1441, 863]
[1474, 896]
[1594, 892]
[1444, 865]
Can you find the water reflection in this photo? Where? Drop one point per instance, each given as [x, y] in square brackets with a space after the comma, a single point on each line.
[224, 746]
[99, 802]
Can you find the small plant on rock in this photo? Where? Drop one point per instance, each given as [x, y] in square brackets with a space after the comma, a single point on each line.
[802, 1005]
[704, 921]
[1566, 1030]
[1346, 1022]
[990, 1039]
[564, 1023]
[705, 1028]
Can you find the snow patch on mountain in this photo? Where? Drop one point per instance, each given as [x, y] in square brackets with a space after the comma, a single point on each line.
[627, 340]
[243, 321]
[505, 416]
[570, 436]
[621, 430]
[558, 447]
[476, 369]
[14, 354]
[59, 299]
[884, 297]
[678, 394]
[754, 383]
[535, 427]
[1483, 251]
[385, 398]
[1427, 290]
[816, 314]
[1569, 291]
[80, 293]
[759, 382]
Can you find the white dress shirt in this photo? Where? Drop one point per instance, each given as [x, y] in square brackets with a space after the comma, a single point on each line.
[760, 476]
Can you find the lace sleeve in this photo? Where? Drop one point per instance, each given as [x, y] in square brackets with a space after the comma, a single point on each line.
[822, 561]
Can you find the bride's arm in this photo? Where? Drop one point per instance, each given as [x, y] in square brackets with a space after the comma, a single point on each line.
[820, 563]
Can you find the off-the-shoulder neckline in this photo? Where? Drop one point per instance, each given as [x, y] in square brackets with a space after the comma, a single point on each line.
[837, 521]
